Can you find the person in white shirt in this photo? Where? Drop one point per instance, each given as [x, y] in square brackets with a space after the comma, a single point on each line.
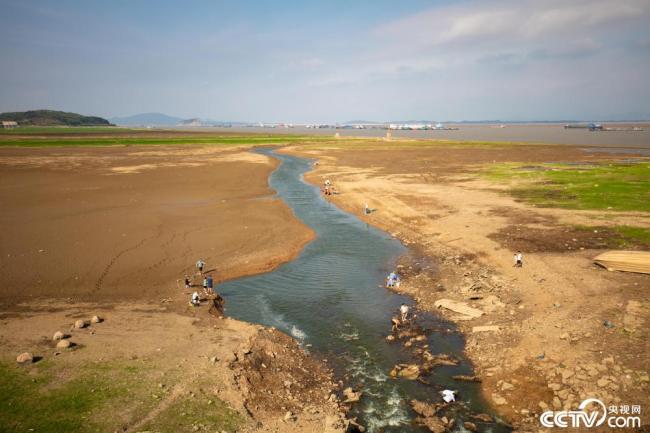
[519, 259]
[448, 395]
[404, 312]
[195, 299]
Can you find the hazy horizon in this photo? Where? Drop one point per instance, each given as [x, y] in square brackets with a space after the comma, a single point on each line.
[530, 60]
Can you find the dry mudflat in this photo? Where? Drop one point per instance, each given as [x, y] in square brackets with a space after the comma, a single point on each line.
[542, 337]
[112, 231]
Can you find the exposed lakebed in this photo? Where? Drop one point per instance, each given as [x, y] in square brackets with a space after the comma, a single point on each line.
[332, 300]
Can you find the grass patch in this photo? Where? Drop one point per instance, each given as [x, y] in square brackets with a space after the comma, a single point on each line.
[45, 399]
[35, 130]
[200, 411]
[151, 141]
[614, 186]
[633, 235]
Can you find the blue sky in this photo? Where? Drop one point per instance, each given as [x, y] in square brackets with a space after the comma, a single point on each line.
[329, 61]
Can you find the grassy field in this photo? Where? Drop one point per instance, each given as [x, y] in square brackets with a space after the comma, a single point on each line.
[613, 186]
[35, 130]
[116, 136]
[101, 396]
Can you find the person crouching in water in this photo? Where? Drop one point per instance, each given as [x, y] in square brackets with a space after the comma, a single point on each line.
[404, 312]
[392, 280]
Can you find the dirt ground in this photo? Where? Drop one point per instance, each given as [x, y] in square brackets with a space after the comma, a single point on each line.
[550, 334]
[185, 358]
[112, 231]
[110, 224]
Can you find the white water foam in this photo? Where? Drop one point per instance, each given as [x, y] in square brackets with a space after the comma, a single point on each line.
[278, 320]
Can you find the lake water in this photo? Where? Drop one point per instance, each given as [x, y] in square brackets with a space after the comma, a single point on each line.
[332, 300]
[617, 141]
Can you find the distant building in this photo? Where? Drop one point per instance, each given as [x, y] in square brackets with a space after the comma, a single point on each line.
[9, 124]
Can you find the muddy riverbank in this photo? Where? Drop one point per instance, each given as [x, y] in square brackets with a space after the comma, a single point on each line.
[538, 340]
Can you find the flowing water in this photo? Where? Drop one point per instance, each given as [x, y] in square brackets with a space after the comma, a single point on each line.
[332, 300]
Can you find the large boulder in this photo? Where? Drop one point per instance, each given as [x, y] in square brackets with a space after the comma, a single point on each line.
[79, 324]
[63, 344]
[96, 319]
[25, 358]
[58, 335]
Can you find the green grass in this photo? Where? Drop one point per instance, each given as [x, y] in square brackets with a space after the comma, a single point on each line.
[36, 130]
[633, 234]
[200, 410]
[151, 141]
[54, 397]
[46, 399]
[613, 186]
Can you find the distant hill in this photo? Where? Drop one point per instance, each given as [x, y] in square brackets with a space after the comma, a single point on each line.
[53, 118]
[147, 119]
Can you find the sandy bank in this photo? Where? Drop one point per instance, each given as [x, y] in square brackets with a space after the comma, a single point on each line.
[125, 223]
[540, 342]
[110, 231]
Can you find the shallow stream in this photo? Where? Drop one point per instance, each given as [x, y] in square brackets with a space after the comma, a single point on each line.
[332, 300]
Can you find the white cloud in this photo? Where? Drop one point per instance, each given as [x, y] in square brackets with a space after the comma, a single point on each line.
[532, 20]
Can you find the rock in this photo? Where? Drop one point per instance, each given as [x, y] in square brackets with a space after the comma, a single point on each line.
[355, 427]
[410, 372]
[459, 307]
[351, 396]
[431, 361]
[487, 328]
[505, 386]
[567, 374]
[557, 404]
[543, 405]
[434, 424]
[96, 319]
[289, 416]
[58, 335]
[469, 426]
[79, 324]
[564, 336]
[63, 344]
[334, 424]
[498, 400]
[602, 382]
[483, 417]
[25, 358]
[423, 408]
[390, 338]
[466, 378]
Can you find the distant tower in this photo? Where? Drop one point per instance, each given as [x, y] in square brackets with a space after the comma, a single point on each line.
[388, 135]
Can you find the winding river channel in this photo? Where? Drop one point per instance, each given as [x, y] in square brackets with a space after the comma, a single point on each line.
[332, 300]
